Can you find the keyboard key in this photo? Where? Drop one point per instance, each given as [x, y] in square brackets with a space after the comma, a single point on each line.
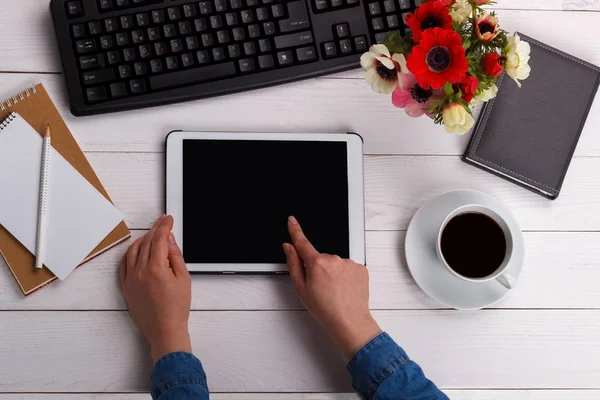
[205, 7]
[321, 5]
[216, 22]
[202, 57]
[305, 54]
[98, 76]
[92, 61]
[156, 66]
[360, 43]
[247, 16]
[377, 23]
[374, 9]
[172, 63]
[111, 25]
[122, 39]
[285, 58]
[330, 50]
[138, 36]
[185, 28]
[249, 48]
[169, 30]
[176, 46]
[404, 4]
[124, 71]
[293, 40]
[145, 51]
[193, 75]
[389, 6]
[233, 50]
[239, 34]
[262, 13]
[269, 28]
[298, 17]
[187, 60]
[235, 4]
[345, 47]
[129, 54]
[252, 3]
[207, 39]
[336, 3]
[231, 18]
[137, 86]
[158, 16]
[352, 2]
[392, 21]
[264, 45]
[138, 2]
[113, 57]
[253, 31]
[277, 10]
[140, 68]
[106, 42]
[220, 5]
[85, 46]
[174, 13]
[96, 94]
[223, 37]
[342, 30]
[218, 54]
[142, 19]
[94, 28]
[191, 42]
[160, 48]
[200, 25]
[154, 33]
[266, 61]
[190, 10]
[118, 90]
[246, 65]
[78, 30]
[105, 5]
[126, 22]
[74, 8]
[122, 3]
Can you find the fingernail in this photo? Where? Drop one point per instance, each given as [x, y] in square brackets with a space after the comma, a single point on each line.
[292, 220]
[286, 248]
[172, 238]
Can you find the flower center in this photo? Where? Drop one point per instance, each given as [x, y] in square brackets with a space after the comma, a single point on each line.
[430, 22]
[385, 73]
[438, 59]
[485, 28]
[419, 94]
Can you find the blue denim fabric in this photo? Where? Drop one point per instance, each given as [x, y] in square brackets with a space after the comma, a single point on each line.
[382, 370]
[179, 376]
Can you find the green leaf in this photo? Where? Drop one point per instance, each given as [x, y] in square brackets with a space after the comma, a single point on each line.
[448, 90]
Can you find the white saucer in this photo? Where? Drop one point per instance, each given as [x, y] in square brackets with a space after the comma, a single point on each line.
[428, 271]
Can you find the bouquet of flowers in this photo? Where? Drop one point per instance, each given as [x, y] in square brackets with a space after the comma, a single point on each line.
[448, 61]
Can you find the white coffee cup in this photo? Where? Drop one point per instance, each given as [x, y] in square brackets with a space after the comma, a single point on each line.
[500, 273]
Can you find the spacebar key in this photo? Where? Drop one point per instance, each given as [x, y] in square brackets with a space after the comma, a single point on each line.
[191, 76]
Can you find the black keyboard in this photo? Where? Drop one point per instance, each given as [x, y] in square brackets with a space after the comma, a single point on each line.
[125, 54]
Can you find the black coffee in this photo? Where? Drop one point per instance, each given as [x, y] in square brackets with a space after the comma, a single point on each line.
[473, 245]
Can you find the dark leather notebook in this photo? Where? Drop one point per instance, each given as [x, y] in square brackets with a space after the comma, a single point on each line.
[528, 135]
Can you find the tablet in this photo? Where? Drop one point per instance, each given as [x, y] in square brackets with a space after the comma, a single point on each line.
[231, 194]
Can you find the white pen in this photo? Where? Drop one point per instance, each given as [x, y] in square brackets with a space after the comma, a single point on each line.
[44, 182]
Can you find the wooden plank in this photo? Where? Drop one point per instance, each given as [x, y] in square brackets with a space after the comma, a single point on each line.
[453, 394]
[562, 270]
[287, 351]
[395, 187]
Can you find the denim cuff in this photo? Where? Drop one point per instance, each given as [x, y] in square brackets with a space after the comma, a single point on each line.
[174, 369]
[374, 362]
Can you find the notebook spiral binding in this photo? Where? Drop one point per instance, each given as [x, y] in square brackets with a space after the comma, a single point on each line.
[7, 121]
[8, 103]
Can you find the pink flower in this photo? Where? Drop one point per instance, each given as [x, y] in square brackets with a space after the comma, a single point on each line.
[413, 98]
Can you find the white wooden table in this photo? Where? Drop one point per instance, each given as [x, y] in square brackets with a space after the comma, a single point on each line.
[74, 340]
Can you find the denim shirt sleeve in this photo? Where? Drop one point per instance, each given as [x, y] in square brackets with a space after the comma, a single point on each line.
[382, 370]
[179, 376]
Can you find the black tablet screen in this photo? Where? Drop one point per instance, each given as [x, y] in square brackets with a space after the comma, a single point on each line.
[237, 196]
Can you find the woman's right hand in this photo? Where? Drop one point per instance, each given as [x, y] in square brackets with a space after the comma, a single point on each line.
[335, 291]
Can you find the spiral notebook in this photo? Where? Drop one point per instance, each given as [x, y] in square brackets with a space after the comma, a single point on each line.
[77, 198]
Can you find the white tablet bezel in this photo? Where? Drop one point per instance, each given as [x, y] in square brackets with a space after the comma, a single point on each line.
[174, 190]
